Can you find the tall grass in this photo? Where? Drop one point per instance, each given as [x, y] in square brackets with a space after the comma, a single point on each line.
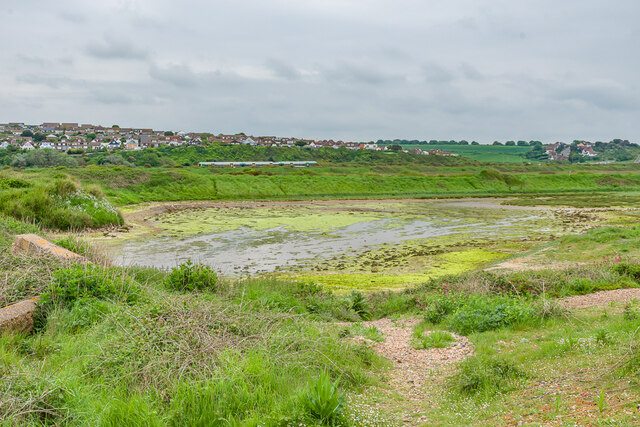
[60, 205]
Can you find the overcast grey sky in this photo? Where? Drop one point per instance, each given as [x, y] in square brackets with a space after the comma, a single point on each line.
[342, 69]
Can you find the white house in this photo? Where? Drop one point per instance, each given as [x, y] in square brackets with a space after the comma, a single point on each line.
[27, 146]
[4, 145]
[46, 145]
[250, 141]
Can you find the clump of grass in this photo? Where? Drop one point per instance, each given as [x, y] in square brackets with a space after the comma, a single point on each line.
[484, 377]
[435, 339]
[359, 330]
[192, 277]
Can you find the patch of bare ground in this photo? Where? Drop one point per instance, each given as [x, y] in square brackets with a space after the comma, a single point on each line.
[601, 298]
[416, 373]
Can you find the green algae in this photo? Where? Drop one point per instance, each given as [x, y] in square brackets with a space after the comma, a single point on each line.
[439, 265]
[477, 233]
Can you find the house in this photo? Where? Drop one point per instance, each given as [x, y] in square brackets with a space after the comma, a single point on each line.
[132, 144]
[46, 145]
[588, 151]
[27, 146]
[4, 145]
[250, 141]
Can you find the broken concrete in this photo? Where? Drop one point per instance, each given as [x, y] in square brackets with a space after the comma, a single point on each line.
[18, 317]
[32, 243]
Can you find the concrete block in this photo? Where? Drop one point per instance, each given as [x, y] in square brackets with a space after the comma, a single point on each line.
[32, 243]
[18, 317]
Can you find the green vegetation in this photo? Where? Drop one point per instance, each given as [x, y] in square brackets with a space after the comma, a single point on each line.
[56, 204]
[136, 345]
[436, 339]
[190, 277]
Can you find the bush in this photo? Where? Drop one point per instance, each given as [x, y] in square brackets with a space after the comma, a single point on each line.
[484, 314]
[323, 402]
[191, 277]
[88, 281]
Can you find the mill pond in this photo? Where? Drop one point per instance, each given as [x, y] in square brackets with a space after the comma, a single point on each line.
[343, 244]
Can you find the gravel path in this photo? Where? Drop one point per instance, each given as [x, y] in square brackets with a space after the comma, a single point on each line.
[601, 298]
[414, 369]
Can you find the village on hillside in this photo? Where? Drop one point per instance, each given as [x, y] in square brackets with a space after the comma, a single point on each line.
[75, 138]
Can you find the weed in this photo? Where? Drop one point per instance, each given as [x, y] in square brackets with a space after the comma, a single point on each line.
[324, 402]
[359, 305]
[192, 277]
[602, 402]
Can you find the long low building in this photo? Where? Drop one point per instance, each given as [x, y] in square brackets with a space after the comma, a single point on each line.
[257, 164]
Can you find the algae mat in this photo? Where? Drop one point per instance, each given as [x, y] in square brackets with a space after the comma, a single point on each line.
[343, 244]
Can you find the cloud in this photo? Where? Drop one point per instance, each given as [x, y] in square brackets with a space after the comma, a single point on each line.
[603, 96]
[434, 73]
[177, 75]
[360, 74]
[111, 48]
[53, 82]
[282, 69]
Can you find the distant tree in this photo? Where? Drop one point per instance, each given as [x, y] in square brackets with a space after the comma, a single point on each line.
[90, 136]
[395, 147]
[168, 133]
[301, 143]
[510, 143]
[123, 139]
[463, 142]
[115, 127]
[75, 151]
[27, 133]
[37, 137]
[522, 143]
[497, 143]
[475, 143]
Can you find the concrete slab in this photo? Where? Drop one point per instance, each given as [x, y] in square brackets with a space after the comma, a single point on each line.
[32, 243]
[18, 317]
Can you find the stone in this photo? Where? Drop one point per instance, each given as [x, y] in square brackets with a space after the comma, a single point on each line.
[32, 243]
[18, 317]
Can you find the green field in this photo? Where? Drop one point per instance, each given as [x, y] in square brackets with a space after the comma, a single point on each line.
[481, 153]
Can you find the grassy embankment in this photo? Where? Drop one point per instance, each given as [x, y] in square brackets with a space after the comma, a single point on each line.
[123, 185]
[143, 347]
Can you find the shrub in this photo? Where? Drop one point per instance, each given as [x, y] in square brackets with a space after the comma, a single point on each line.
[191, 277]
[324, 402]
[627, 269]
[437, 307]
[88, 281]
[485, 314]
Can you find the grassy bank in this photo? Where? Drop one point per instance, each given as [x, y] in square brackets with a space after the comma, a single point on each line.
[123, 185]
[56, 202]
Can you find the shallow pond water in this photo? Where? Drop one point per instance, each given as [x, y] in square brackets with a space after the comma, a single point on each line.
[263, 238]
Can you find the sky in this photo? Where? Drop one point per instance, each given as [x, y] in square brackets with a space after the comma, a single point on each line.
[358, 70]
